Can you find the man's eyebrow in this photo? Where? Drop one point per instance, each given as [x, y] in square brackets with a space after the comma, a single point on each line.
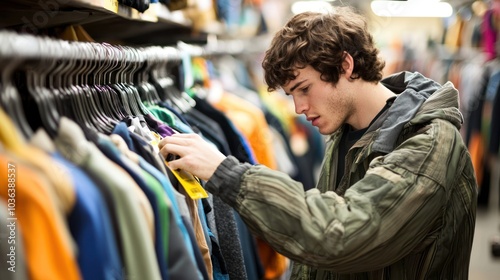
[296, 85]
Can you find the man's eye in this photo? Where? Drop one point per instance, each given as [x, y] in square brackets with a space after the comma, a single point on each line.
[305, 89]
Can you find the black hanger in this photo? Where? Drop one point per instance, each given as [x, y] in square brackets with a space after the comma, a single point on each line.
[107, 95]
[98, 119]
[120, 93]
[73, 94]
[36, 72]
[9, 95]
[106, 122]
[93, 79]
[134, 98]
[54, 84]
[164, 82]
[148, 94]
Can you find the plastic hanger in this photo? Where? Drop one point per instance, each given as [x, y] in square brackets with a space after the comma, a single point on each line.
[147, 92]
[36, 75]
[107, 123]
[172, 89]
[164, 82]
[74, 95]
[138, 108]
[117, 89]
[156, 57]
[142, 85]
[103, 97]
[90, 108]
[111, 97]
[54, 85]
[9, 95]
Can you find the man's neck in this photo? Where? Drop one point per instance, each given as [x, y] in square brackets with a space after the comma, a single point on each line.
[370, 99]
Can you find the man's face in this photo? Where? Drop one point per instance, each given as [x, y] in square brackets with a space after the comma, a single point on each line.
[326, 106]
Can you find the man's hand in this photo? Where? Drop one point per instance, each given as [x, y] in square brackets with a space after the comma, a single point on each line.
[197, 156]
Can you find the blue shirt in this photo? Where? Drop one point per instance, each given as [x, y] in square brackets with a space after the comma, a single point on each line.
[90, 225]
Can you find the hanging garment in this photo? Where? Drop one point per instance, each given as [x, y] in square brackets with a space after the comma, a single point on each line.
[494, 146]
[13, 261]
[47, 196]
[238, 144]
[89, 220]
[240, 148]
[252, 123]
[194, 238]
[131, 206]
[488, 35]
[48, 251]
[160, 210]
[181, 263]
[199, 233]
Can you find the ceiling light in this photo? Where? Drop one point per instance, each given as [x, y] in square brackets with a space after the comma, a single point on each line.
[411, 8]
[312, 6]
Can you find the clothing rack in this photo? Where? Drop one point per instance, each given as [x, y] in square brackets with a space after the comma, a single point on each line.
[68, 63]
[16, 45]
[134, 93]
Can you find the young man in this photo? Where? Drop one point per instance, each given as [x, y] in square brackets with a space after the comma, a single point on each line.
[396, 197]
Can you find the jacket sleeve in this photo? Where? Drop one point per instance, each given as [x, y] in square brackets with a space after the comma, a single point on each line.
[394, 210]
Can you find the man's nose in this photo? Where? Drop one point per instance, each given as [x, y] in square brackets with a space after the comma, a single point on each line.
[300, 106]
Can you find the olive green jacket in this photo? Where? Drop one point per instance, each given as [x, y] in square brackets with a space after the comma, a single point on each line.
[404, 209]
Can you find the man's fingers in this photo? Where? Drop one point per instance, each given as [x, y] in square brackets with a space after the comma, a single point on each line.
[179, 139]
[191, 153]
[174, 142]
[175, 164]
[174, 149]
[173, 155]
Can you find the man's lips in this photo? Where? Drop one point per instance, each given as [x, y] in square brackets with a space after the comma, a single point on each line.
[312, 119]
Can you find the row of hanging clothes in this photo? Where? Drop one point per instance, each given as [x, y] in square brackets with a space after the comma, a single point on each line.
[89, 194]
[479, 82]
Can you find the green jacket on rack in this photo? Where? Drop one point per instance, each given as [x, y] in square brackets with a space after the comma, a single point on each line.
[404, 209]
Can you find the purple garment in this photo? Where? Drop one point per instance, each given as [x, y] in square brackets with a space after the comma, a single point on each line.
[158, 126]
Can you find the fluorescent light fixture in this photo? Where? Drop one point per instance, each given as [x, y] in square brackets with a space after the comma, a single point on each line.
[312, 6]
[411, 8]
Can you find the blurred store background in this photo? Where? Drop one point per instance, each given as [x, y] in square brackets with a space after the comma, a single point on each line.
[453, 40]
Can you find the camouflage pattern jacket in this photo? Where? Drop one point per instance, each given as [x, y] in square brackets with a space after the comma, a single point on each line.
[405, 206]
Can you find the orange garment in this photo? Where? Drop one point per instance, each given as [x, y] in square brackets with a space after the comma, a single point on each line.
[48, 256]
[251, 122]
[12, 141]
[275, 264]
[476, 150]
[60, 183]
[44, 191]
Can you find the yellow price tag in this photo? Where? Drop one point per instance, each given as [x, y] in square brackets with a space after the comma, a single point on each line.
[111, 5]
[190, 184]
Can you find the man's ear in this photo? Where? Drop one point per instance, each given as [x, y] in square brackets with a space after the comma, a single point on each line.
[348, 64]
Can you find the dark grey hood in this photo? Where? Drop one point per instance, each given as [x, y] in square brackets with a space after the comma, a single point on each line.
[413, 90]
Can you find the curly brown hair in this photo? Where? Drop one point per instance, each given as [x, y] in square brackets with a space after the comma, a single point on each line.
[321, 40]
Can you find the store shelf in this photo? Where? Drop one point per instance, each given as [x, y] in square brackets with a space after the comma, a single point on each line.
[133, 28]
[104, 20]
